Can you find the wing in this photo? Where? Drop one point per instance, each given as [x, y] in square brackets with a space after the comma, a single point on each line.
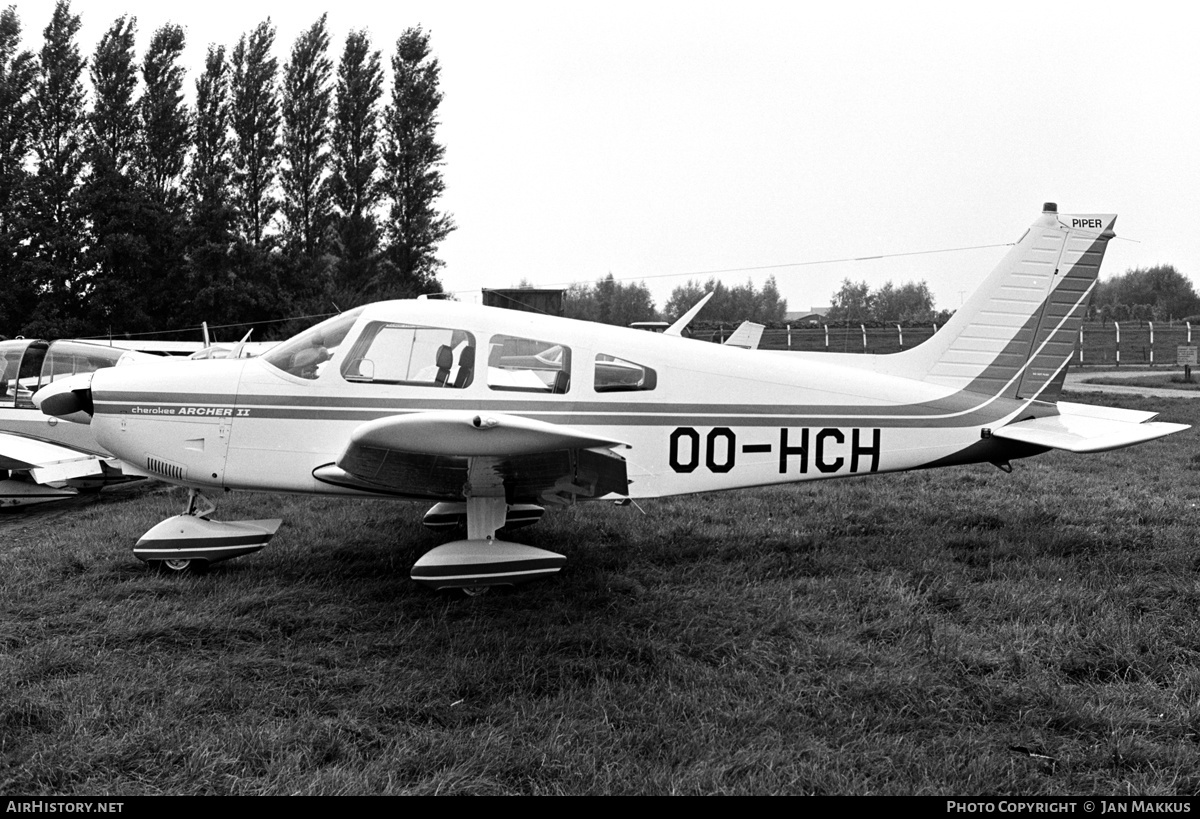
[1085, 428]
[44, 461]
[439, 455]
[35, 471]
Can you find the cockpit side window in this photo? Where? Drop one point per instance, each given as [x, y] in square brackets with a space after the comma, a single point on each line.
[528, 365]
[305, 354]
[619, 375]
[393, 353]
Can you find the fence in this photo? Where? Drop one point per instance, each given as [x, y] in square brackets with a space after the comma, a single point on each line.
[1108, 344]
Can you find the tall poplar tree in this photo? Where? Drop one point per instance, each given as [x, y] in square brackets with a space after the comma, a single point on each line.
[304, 175]
[219, 287]
[56, 227]
[412, 179]
[255, 121]
[160, 157]
[211, 170]
[255, 273]
[17, 71]
[355, 161]
[165, 120]
[121, 279]
[113, 123]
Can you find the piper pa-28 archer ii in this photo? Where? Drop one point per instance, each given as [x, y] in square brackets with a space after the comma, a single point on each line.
[496, 414]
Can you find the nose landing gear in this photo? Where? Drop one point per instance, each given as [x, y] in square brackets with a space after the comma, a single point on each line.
[190, 542]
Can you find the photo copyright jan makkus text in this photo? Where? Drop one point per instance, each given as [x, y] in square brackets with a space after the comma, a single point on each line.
[1098, 806]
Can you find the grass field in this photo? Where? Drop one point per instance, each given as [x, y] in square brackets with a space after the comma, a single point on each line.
[953, 632]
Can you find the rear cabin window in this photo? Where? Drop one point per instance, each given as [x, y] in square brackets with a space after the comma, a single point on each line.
[618, 375]
[390, 353]
[518, 364]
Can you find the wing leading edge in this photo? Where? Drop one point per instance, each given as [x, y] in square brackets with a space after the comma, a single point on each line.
[1084, 428]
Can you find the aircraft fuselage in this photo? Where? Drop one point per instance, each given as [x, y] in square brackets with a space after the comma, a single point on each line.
[697, 417]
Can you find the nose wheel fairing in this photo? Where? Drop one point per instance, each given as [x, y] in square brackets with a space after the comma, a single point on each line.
[185, 537]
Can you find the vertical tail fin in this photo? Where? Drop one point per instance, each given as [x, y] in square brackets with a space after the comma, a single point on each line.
[1015, 336]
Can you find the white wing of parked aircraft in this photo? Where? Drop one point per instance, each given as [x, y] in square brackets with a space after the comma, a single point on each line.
[495, 415]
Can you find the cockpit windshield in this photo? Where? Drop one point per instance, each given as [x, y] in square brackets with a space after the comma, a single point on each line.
[305, 354]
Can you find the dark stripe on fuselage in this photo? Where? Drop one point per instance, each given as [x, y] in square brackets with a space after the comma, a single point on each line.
[814, 416]
[124, 401]
[956, 410]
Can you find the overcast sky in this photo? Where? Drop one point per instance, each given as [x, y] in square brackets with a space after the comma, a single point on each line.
[653, 140]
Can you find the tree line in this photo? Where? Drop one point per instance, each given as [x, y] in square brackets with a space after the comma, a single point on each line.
[910, 303]
[621, 303]
[1159, 293]
[279, 191]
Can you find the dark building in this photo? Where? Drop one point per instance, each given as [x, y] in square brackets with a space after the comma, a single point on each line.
[531, 300]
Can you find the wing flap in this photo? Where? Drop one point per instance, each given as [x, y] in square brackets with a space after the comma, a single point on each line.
[556, 477]
[1091, 432]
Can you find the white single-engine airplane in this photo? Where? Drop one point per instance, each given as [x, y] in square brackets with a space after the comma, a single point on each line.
[496, 414]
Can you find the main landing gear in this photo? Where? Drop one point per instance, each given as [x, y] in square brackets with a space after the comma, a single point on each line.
[480, 562]
[191, 542]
